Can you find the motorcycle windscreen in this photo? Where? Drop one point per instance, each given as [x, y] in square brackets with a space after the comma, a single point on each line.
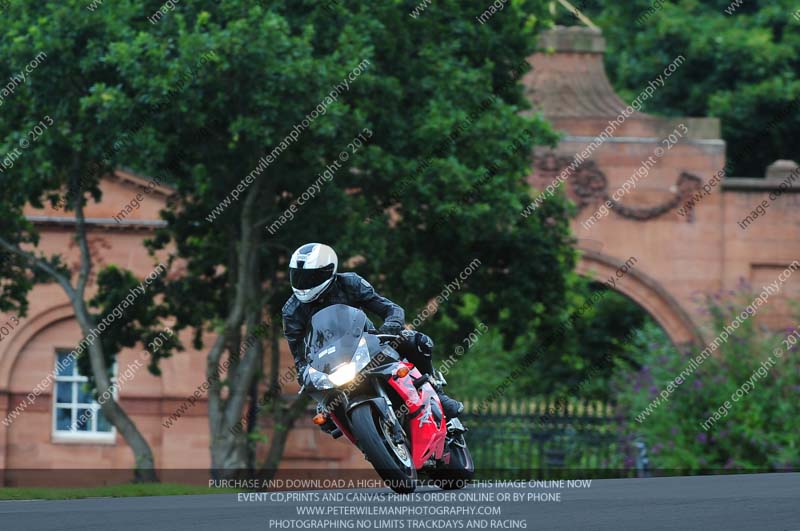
[334, 336]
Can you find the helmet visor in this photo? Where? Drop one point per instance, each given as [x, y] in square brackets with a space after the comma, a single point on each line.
[309, 278]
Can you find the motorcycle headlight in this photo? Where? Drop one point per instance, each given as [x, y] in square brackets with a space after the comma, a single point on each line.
[319, 379]
[345, 373]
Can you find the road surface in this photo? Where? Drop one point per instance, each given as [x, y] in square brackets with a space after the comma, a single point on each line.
[735, 502]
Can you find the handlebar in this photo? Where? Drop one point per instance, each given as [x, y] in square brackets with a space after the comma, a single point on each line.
[386, 337]
[379, 335]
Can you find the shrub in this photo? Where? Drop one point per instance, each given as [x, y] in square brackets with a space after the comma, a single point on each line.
[755, 430]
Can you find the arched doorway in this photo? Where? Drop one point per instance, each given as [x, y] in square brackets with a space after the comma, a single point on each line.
[644, 291]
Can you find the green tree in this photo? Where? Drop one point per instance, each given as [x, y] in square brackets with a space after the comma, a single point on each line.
[740, 67]
[603, 342]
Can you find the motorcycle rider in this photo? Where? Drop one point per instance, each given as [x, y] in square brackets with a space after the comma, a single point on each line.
[316, 285]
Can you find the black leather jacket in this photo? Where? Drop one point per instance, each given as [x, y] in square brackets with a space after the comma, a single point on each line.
[346, 288]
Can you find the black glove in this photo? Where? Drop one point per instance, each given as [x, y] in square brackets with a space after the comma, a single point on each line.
[390, 327]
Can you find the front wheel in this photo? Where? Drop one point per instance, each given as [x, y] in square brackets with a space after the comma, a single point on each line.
[392, 460]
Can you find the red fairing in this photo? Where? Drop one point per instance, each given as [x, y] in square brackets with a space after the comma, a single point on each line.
[426, 423]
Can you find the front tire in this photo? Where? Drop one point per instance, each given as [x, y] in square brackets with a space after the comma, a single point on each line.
[392, 461]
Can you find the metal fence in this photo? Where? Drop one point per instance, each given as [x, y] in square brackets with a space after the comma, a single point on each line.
[547, 437]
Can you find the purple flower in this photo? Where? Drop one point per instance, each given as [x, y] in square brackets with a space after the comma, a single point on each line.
[653, 391]
[698, 384]
[656, 448]
[674, 431]
[702, 438]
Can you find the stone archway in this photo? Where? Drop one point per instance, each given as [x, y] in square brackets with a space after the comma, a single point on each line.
[644, 291]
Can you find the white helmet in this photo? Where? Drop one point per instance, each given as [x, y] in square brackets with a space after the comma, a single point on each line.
[311, 270]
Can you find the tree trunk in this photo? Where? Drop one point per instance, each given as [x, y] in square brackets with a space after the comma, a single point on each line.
[229, 445]
[144, 468]
[283, 423]
[228, 454]
[252, 422]
[284, 413]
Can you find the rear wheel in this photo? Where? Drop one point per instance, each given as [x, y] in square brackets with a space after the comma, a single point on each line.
[391, 459]
[459, 471]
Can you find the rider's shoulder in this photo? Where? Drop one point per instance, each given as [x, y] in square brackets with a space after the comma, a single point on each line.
[353, 281]
[291, 305]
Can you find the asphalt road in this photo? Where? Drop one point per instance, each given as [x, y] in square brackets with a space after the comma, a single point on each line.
[746, 502]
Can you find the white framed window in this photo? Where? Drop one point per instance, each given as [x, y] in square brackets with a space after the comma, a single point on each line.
[76, 415]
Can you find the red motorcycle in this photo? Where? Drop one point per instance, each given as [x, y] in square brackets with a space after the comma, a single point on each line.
[381, 403]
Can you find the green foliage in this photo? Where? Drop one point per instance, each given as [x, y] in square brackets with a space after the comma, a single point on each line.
[70, 88]
[757, 431]
[742, 68]
[16, 280]
[602, 340]
[482, 369]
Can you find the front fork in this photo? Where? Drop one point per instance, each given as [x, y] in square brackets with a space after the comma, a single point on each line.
[382, 405]
[398, 434]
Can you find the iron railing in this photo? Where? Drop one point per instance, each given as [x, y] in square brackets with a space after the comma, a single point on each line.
[545, 437]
